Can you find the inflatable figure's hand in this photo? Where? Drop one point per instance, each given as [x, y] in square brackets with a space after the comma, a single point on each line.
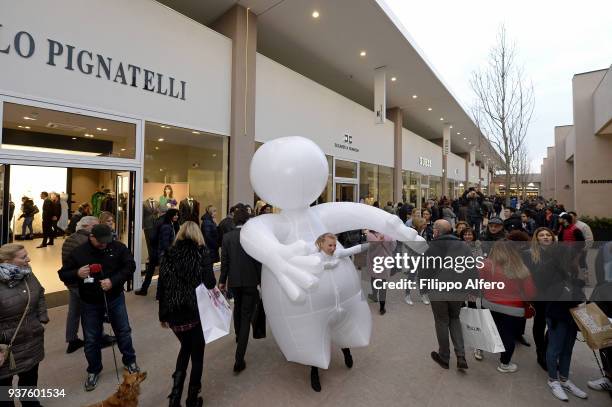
[398, 231]
[296, 274]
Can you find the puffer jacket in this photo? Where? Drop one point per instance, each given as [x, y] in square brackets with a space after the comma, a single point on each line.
[183, 268]
[29, 347]
[74, 240]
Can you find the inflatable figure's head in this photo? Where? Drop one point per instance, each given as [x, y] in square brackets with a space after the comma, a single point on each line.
[289, 172]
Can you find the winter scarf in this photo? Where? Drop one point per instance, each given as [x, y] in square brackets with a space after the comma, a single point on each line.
[12, 274]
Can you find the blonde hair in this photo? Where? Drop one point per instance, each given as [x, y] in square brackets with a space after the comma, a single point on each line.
[321, 239]
[9, 251]
[418, 222]
[536, 250]
[505, 255]
[105, 216]
[190, 231]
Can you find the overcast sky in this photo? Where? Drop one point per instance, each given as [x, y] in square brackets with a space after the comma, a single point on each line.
[554, 40]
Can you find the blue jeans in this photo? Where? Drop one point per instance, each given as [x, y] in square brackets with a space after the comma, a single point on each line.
[27, 224]
[561, 339]
[92, 318]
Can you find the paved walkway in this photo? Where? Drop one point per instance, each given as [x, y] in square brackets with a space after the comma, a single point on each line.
[395, 370]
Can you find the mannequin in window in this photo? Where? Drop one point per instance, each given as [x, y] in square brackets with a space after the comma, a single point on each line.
[189, 209]
[167, 201]
[150, 215]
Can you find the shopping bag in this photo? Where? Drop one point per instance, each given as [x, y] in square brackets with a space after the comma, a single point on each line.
[259, 321]
[215, 313]
[479, 330]
[594, 325]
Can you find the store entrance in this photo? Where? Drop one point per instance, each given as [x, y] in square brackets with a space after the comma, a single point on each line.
[346, 192]
[102, 190]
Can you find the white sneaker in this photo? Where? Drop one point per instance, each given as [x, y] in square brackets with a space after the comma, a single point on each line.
[557, 390]
[602, 383]
[509, 368]
[408, 300]
[478, 354]
[425, 299]
[573, 389]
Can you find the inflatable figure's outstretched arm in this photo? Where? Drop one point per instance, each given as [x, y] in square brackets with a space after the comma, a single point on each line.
[342, 216]
[342, 252]
[294, 270]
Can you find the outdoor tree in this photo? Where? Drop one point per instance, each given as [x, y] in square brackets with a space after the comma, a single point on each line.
[504, 104]
[521, 168]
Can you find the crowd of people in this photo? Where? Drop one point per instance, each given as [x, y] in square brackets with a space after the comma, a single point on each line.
[535, 247]
[521, 242]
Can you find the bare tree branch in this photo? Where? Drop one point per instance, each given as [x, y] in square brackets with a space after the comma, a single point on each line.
[504, 107]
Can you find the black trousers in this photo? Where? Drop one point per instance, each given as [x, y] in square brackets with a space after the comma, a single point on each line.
[245, 300]
[508, 328]
[48, 234]
[539, 327]
[192, 347]
[28, 378]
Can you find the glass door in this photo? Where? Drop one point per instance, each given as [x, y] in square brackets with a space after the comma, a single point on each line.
[4, 218]
[346, 192]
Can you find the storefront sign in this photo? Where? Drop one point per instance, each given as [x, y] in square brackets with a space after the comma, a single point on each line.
[73, 59]
[596, 181]
[425, 162]
[348, 140]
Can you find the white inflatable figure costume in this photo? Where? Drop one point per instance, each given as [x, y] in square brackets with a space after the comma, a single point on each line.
[307, 307]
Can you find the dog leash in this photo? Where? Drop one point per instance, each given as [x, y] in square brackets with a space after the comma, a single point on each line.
[113, 342]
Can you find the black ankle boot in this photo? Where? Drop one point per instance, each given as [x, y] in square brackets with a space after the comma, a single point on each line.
[177, 389]
[382, 310]
[193, 396]
[314, 379]
[348, 358]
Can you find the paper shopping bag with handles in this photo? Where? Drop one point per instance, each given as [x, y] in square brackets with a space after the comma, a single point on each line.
[594, 325]
[215, 313]
[479, 330]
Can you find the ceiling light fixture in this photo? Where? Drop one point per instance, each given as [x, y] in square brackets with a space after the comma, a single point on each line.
[164, 127]
[393, 79]
[458, 133]
[362, 53]
[315, 14]
[195, 132]
[28, 118]
[465, 138]
[160, 139]
[74, 138]
[441, 119]
[414, 96]
[157, 148]
[429, 109]
[451, 126]
[123, 149]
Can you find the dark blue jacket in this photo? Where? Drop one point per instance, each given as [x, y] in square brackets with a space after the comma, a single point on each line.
[211, 236]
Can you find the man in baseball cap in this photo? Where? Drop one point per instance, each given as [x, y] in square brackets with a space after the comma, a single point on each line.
[101, 267]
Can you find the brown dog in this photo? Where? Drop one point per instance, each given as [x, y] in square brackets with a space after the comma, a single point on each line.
[127, 394]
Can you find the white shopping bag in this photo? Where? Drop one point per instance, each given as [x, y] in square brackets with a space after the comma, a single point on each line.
[479, 330]
[215, 313]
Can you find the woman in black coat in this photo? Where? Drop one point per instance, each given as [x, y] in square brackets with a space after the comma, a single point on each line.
[16, 282]
[167, 231]
[186, 264]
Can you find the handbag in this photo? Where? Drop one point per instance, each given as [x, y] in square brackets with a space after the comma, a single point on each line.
[6, 350]
[259, 321]
[215, 313]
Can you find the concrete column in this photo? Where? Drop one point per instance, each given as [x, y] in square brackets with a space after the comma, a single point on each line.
[240, 25]
[446, 146]
[395, 115]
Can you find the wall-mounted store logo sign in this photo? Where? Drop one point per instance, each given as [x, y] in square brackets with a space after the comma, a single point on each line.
[348, 140]
[424, 162]
[596, 181]
[446, 147]
[86, 62]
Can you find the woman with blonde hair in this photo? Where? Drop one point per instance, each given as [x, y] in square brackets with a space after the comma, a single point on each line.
[23, 310]
[185, 265]
[508, 305]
